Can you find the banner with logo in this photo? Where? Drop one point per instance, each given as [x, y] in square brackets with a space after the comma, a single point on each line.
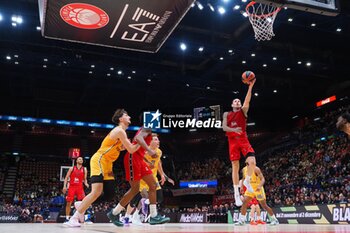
[223, 199]
[233, 216]
[315, 214]
[142, 25]
[9, 218]
[159, 120]
[193, 191]
[321, 214]
[198, 183]
[200, 217]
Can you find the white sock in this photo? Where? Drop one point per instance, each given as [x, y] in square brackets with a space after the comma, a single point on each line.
[243, 217]
[153, 210]
[76, 214]
[127, 215]
[247, 178]
[67, 217]
[117, 209]
[236, 190]
[136, 213]
[273, 217]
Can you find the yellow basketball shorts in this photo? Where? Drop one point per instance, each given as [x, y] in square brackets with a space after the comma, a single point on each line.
[260, 196]
[99, 166]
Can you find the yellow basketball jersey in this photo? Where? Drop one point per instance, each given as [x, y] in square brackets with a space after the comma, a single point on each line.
[254, 179]
[110, 149]
[155, 162]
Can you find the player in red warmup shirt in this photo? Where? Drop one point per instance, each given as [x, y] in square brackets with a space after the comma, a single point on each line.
[234, 124]
[77, 176]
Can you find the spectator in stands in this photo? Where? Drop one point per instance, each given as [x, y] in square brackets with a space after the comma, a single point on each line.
[25, 215]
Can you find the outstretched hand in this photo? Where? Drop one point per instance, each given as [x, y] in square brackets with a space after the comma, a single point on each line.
[251, 84]
[171, 181]
[162, 180]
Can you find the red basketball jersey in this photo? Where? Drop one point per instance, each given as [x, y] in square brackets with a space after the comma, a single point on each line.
[77, 176]
[148, 140]
[236, 119]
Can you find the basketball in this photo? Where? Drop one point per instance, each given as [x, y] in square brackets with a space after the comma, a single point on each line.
[247, 77]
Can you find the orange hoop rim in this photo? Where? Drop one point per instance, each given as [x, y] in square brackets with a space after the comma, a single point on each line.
[263, 15]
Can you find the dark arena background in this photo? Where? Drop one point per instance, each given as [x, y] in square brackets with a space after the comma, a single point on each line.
[176, 66]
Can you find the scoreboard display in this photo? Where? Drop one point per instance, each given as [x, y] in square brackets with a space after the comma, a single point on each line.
[204, 113]
[74, 153]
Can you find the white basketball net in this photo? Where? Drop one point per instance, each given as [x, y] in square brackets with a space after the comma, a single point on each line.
[262, 17]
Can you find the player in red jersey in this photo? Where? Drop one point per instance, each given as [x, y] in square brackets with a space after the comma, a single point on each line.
[234, 124]
[77, 176]
[136, 169]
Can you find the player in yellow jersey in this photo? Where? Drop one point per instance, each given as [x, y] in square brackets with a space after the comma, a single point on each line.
[101, 164]
[155, 164]
[257, 181]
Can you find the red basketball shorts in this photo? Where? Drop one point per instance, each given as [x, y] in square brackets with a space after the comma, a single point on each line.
[77, 191]
[135, 167]
[253, 202]
[238, 145]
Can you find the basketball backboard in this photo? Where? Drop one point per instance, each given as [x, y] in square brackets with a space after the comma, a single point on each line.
[323, 7]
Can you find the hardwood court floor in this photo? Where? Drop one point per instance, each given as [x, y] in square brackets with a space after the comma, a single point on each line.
[170, 228]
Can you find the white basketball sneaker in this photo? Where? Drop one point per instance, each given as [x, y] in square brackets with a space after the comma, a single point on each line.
[274, 222]
[81, 216]
[136, 219]
[73, 222]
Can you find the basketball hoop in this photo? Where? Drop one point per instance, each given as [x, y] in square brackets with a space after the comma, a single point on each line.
[262, 17]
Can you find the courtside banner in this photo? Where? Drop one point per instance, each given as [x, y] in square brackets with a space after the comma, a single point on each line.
[200, 217]
[320, 214]
[193, 191]
[9, 218]
[223, 199]
[313, 214]
[141, 25]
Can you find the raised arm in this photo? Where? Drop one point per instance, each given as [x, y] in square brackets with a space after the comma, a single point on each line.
[248, 97]
[140, 138]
